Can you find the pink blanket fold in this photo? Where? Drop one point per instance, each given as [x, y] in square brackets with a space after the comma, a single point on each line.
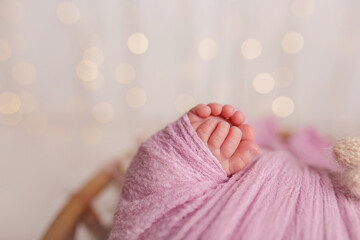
[176, 189]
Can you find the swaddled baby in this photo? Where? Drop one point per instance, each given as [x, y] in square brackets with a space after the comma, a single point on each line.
[201, 177]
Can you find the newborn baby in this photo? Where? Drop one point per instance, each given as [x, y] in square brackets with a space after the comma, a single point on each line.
[204, 177]
[223, 132]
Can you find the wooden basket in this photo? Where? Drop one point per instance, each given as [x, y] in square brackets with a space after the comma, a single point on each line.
[78, 210]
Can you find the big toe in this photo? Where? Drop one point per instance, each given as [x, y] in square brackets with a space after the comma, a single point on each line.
[201, 110]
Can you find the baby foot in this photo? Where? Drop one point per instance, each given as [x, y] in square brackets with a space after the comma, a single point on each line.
[221, 128]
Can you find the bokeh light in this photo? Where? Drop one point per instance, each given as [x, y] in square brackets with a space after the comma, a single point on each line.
[11, 119]
[208, 49]
[251, 48]
[87, 70]
[94, 54]
[283, 106]
[10, 103]
[94, 84]
[103, 112]
[5, 50]
[125, 73]
[263, 83]
[138, 43]
[23, 72]
[283, 76]
[184, 102]
[68, 12]
[292, 42]
[136, 97]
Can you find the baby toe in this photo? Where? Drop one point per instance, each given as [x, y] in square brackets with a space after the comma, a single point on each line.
[227, 111]
[237, 118]
[231, 142]
[219, 135]
[206, 128]
[201, 110]
[216, 108]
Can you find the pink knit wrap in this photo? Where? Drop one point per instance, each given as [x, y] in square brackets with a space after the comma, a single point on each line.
[176, 189]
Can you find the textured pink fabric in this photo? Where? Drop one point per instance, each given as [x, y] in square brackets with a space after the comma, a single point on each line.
[176, 189]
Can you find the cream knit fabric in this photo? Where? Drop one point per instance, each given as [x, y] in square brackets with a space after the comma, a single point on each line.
[347, 154]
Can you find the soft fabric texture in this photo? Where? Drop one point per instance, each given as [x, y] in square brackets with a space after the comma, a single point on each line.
[176, 189]
[347, 153]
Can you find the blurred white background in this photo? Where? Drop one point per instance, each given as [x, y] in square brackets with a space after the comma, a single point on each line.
[80, 80]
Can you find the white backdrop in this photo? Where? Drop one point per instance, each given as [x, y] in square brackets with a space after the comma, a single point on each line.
[79, 80]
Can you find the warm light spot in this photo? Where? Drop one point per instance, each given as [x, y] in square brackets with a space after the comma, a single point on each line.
[28, 103]
[283, 106]
[208, 49]
[12, 10]
[138, 43]
[87, 70]
[23, 72]
[11, 119]
[9, 103]
[251, 48]
[184, 102]
[5, 50]
[283, 76]
[292, 42]
[94, 84]
[103, 112]
[68, 12]
[125, 73]
[95, 55]
[92, 134]
[302, 8]
[136, 97]
[36, 124]
[263, 83]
